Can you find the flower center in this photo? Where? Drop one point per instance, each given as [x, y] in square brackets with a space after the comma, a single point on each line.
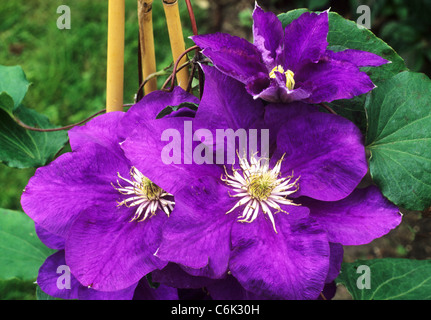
[290, 81]
[144, 194]
[261, 185]
[150, 189]
[260, 188]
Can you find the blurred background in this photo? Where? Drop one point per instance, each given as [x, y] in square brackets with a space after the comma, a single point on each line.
[67, 69]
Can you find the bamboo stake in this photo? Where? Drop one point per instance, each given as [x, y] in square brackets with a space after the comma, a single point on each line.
[115, 61]
[176, 38]
[146, 36]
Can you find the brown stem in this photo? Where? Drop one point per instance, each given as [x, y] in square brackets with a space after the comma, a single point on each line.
[176, 69]
[171, 78]
[197, 53]
[192, 17]
[192, 72]
[328, 108]
[25, 126]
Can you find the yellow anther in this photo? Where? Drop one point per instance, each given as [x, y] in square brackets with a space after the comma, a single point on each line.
[278, 69]
[261, 185]
[290, 82]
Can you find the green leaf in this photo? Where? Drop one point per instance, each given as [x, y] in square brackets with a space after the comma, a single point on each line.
[399, 139]
[21, 251]
[13, 82]
[6, 102]
[22, 148]
[387, 279]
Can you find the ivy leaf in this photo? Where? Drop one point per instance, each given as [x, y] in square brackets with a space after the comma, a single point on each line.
[387, 279]
[13, 87]
[21, 251]
[22, 148]
[399, 139]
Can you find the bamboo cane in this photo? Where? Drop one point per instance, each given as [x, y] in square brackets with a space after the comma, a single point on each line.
[146, 36]
[176, 38]
[115, 59]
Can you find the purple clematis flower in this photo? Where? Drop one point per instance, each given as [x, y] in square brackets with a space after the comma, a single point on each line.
[274, 223]
[108, 213]
[293, 64]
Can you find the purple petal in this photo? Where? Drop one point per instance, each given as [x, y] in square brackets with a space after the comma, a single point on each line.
[230, 289]
[90, 294]
[108, 252]
[305, 40]
[268, 36]
[261, 82]
[226, 104]
[273, 91]
[328, 291]
[173, 275]
[50, 240]
[279, 93]
[100, 130]
[290, 264]
[58, 192]
[232, 55]
[276, 114]
[163, 151]
[227, 107]
[326, 151]
[360, 218]
[358, 57]
[335, 260]
[150, 106]
[333, 80]
[55, 279]
[197, 233]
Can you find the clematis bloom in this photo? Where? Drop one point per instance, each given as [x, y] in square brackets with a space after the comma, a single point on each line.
[108, 213]
[275, 224]
[293, 64]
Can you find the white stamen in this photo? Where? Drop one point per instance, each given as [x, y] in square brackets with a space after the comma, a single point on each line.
[144, 194]
[259, 188]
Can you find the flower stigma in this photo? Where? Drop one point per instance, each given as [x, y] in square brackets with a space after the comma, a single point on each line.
[290, 82]
[260, 188]
[145, 194]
